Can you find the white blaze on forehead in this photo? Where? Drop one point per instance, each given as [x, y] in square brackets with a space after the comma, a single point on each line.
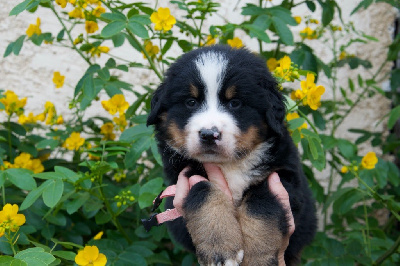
[211, 67]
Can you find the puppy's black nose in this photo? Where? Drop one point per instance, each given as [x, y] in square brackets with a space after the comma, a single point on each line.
[209, 136]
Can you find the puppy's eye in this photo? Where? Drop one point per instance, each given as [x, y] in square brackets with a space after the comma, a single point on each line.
[191, 103]
[234, 104]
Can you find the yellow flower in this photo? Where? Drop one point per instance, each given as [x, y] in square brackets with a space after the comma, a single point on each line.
[10, 219]
[315, 21]
[98, 236]
[298, 19]
[90, 256]
[6, 165]
[272, 63]
[163, 19]
[76, 13]
[120, 122]
[342, 55]
[51, 114]
[308, 83]
[344, 169]
[34, 29]
[78, 40]
[12, 103]
[58, 79]
[40, 117]
[30, 119]
[210, 40]
[62, 3]
[235, 42]
[369, 160]
[91, 26]
[284, 70]
[60, 120]
[48, 105]
[308, 33]
[93, 2]
[98, 11]
[152, 50]
[116, 104]
[99, 50]
[107, 131]
[314, 96]
[355, 168]
[297, 95]
[24, 161]
[74, 142]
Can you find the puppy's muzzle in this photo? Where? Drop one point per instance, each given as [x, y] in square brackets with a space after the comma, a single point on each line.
[209, 136]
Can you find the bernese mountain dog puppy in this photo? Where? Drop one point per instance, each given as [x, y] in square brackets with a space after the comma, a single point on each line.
[221, 105]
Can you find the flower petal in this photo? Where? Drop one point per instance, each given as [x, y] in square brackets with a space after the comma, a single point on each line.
[101, 260]
[80, 259]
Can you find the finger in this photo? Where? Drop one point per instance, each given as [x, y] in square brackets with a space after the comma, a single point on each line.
[276, 187]
[193, 180]
[216, 177]
[182, 189]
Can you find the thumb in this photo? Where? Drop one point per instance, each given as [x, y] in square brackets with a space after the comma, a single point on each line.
[277, 188]
[216, 177]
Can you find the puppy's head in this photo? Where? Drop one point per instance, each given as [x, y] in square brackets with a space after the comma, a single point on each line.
[217, 104]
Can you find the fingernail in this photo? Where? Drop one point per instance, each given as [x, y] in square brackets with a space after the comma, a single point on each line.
[275, 178]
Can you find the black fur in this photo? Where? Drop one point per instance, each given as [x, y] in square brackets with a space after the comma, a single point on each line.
[263, 104]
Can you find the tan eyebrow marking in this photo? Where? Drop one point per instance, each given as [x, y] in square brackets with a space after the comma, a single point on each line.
[194, 91]
[230, 92]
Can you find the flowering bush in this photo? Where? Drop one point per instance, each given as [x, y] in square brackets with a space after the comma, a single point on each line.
[82, 185]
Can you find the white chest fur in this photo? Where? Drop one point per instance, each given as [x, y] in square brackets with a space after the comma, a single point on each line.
[241, 174]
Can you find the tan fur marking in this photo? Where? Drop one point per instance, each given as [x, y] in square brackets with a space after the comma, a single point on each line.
[249, 139]
[230, 92]
[261, 240]
[194, 91]
[214, 229]
[177, 135]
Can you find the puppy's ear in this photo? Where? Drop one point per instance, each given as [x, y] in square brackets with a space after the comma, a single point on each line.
[156, 105]
[276, 112]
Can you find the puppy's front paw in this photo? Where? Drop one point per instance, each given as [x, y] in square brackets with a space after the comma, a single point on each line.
[217, 258]
[211, 221]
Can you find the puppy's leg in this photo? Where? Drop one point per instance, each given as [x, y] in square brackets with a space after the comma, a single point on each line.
[263, 225]
[212, 223]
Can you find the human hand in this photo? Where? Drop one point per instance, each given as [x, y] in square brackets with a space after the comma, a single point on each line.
[276, 187]
[184, 184]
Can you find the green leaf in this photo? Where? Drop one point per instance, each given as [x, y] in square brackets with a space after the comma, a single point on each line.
[35, 256]
[10, 261]
[18, 44]
[136, 151]
[296, 123]
[67, 255]
[8, 50]
[51, 143]
[118, 39]
[258, 33]
[21, 178]
[328, 12]
[129, 258]
[33, 196]
[102, 218]
[283, 31]
[114, 16]
[138, 29]
[313, 148]
[53, 192]
[75, 204]
[166, 46]
[48, 175]
[20, 7]
[363, 4]
[395, 79]
[69, 174]
[154, 151]
[394, 115]
[142, 19]
[311, 5]
[113, 28]
[135, 132]
[153, 186]
[347, 149]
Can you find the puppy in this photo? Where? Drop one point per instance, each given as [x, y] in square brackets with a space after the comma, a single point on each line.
[221, 105]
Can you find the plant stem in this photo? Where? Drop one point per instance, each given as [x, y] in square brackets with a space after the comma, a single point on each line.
[152, 65]
[368, 244]
[309, 121]
[69, 36]
[9, 139]
[388, 253]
